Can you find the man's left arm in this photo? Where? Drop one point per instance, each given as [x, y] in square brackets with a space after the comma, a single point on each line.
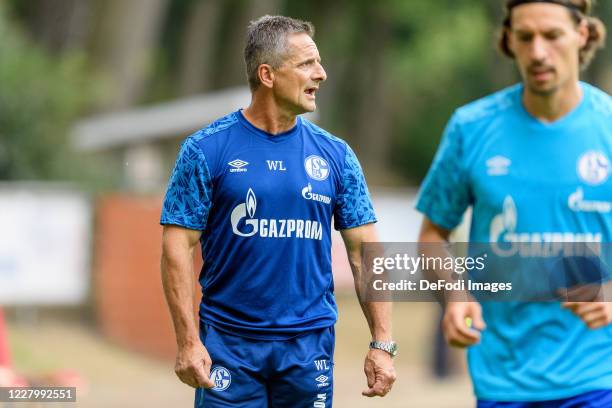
[378, 365]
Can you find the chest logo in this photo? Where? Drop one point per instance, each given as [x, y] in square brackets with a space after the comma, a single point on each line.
[498, 166]
[316, 168]
[238, 166]
[578, 203]
[276, 165]
[244, 223]
[593, 167]
[507, 241]
[309, 195]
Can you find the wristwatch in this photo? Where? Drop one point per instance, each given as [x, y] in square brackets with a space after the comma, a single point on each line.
[388, 346]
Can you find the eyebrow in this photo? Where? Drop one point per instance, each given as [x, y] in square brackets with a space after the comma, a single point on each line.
[529, 32]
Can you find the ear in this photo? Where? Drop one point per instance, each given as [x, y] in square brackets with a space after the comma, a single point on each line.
[266, 75]
[583, 33]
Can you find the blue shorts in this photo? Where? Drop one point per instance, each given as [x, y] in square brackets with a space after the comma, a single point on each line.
[291, 373]
[593, 399]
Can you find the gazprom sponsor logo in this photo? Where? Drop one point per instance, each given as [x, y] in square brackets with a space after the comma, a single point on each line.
[577, 203]
[506, 241]
[309, 195]
[245, 224]
[320, 401]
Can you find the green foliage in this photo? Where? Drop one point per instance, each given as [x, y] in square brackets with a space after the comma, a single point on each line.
[39, 98]
[442, 66]
[402, 64]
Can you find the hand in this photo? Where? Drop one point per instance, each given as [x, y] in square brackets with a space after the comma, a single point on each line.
[456, 330]
[379, 371]
[193, 366]
[594, 314]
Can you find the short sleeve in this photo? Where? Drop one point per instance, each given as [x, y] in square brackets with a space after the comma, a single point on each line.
[188, 198]
[445, 192]
[353, 205]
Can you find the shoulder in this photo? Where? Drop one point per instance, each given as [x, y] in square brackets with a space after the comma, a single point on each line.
[213, 132]
[489, 107]
[322, 136]
[201, 147]
[600, 100]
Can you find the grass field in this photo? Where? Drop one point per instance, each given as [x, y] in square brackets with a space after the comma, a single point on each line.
[115, 377]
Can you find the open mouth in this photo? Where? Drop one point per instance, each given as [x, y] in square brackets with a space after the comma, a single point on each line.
[310, 92]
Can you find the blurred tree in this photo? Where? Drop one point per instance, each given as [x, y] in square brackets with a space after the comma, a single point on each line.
[198, 46]
[124, 42]
[600, 71]
[58, 25]
[40, 97]
[396, 69]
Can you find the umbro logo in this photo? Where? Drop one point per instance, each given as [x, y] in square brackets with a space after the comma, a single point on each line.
[498, 166]
[237, 166]
[322, 380]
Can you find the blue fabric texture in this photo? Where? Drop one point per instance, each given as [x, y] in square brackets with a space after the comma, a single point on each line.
[189, 194]
[263, 373]
[353, 206]
[592, 399]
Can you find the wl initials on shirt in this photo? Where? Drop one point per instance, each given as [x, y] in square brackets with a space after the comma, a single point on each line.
[321, 365]
[276, 165]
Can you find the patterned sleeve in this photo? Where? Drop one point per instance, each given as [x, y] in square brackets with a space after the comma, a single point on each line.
[353, 204]
[188, 198]
[445, 192]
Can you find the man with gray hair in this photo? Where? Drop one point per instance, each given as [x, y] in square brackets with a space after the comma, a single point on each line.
[258, 189]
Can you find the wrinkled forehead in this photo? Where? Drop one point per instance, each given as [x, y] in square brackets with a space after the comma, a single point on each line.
[541, 17]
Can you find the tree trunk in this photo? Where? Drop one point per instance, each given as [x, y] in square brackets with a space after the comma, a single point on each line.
[124, 45]
[60, 24]
[371, 121]
[198, 47]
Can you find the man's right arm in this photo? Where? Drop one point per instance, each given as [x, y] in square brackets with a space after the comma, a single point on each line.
[456, 331]
[192, 362]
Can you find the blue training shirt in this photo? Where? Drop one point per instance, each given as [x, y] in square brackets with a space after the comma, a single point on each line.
[528, 181]
[265, 204]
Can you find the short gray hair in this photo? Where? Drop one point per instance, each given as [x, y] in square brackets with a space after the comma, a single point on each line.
[266, 43]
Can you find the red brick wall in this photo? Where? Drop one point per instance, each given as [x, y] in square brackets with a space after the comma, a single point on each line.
[128, 293]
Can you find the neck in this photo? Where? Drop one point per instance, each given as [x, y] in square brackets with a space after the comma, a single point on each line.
[552, 106]
[265, 114]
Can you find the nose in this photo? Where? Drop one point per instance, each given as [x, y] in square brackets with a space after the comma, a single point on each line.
[319, 73]
[538, 51]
